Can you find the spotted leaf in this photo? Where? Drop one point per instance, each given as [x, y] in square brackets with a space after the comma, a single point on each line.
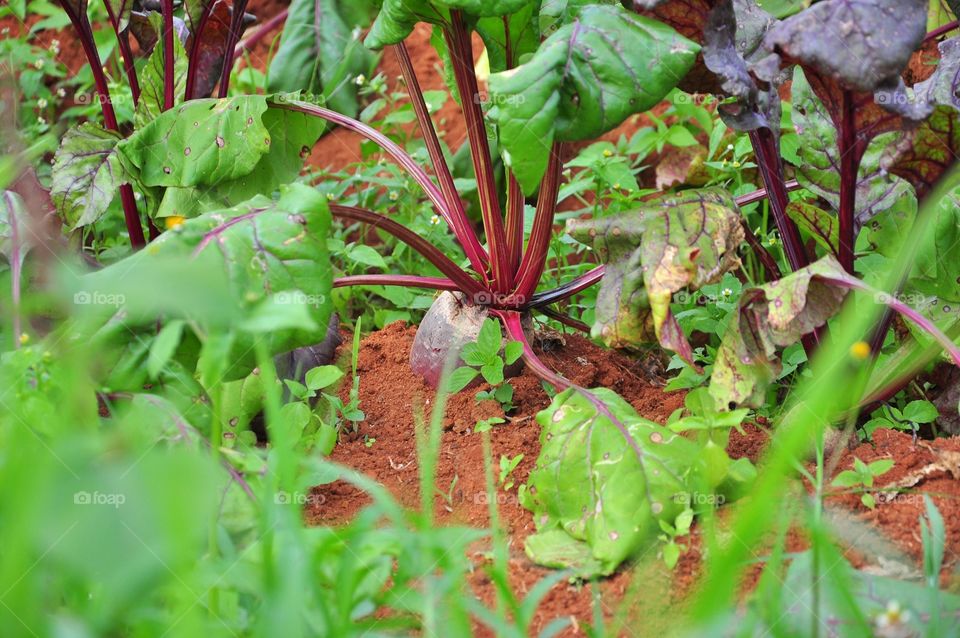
[87, 174]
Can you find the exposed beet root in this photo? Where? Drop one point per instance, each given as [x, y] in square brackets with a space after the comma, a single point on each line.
[450, 324]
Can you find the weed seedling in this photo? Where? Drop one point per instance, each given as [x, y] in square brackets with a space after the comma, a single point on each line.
[862, 476]
[487, 357]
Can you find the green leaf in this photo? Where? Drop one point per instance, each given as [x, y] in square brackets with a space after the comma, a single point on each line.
[847, 478]
[323, 377]
[398, 17]
[367, 255]
[86, 175]
[461, 378]
[521, 29]
[670, 243]
[598, 491]
[286, 310]
[493, 372]
[881, 467]
[512, 351]
[319, 53]
[769, 317]
[920, 412]
[152, 79]
[817, 223]
[490, 338]
[200, 142]
[868, 500]
[671, 554]
[163, 347]
[584, 80]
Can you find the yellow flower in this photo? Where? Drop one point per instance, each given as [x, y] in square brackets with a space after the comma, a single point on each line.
[860, 350]
[173, 221]
[607, 152]
[24, 338]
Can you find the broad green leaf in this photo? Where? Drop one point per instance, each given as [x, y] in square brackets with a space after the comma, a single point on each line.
[512, 351]
[584, 80]
[461, 378]
[280, 312]
[87, 174]
[598, 491]
[267, 251]
[398, 17]
[320, 53]
[367, 255]
[767, 318]
[493, 372]
[671, 243]
[819, 170]
[920, 412]
[881, 467]
[847, 478]
[152, 80]
[866, 46]
[517, 34]
[200, 142]
[323, 377]
[490, 337]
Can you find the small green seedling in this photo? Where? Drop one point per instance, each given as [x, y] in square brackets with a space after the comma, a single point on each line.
[911, 417]
[483, 358]
[863, 475]
[507, 466]
[448, 495]
[680, 528]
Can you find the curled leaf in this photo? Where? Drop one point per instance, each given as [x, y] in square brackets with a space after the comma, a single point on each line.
[674, 242]
[770, 317]
[597, 492]
[397, 18]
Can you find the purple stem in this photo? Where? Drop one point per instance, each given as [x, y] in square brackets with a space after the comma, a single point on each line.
[461, 56]
[85, 34]
[123, 44]
[168, 60]
[405, 281]
[761, 194]
[936, 33]
[193, 63]
[444, 264]
[849, 167]
[534, 259]
[567, 290]
[460, 223]
[264, 29]
[388, 145]
[233, 36]
[564, 319]
[771, 170]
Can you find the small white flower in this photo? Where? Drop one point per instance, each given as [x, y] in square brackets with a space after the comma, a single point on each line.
[55, 47]
[357, 32]
[729, 147]
[360, 80]
[435, 220]
[61, 92]
[42, 103]
[394, 196]
[727, 292]
[330, 197]
[38, 63]
[41, 121]
[893, 616]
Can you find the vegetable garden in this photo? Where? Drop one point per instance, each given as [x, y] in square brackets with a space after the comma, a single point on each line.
[495, 318]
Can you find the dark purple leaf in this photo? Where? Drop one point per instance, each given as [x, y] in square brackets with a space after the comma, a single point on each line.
[208, 55]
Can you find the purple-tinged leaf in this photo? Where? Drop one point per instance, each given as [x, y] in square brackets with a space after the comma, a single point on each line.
[863, 44]
[210, 52]
[816, 223]
[146, 28]
[674, 242]
[87, 174]
[120, 13]
[926, 153]
[768, 318]
[734, 34]
[820, 166]
[152, 81]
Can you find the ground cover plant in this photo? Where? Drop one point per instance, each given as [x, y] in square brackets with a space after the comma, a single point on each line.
[748, 207]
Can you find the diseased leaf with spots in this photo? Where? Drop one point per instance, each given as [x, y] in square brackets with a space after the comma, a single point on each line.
[398, 17]
[584, 80]
[922, 156]
[273, 256]
[598, 491]
[152, 80]
[689, 18]
[820, 165]
[674, 242]
[87, 173]
[200, 142]
[863, 44]
[767, 318]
